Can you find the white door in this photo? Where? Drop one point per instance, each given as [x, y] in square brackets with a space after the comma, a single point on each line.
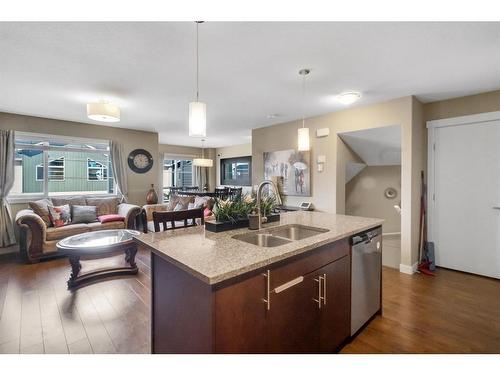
[466, 213]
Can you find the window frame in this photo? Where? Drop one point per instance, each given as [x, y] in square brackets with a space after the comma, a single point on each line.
[44, 145]
[175, 158]
[102, 168]
[51, 166]
[238, 159]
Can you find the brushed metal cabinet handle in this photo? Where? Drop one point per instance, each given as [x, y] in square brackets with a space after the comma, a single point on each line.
[289, 284]
[267, 300]
[324, 288]
[320, 296]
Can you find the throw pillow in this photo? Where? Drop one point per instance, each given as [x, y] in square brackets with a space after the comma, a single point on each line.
[83, 214]
[207, 212]
[60, 215]
[105, 206]
[173, 202]
[191, 206]
[180, 207]
[109, 218]
[78, 200]
[40, 208]
[200, 202]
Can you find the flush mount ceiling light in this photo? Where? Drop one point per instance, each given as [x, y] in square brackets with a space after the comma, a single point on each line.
[303, 132]
[103, 111]
[202, 162]
[348, 97]
[197, 109]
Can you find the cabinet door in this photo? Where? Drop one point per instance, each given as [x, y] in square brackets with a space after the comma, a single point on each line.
[293, 318]
[240, 317]
[335, 318]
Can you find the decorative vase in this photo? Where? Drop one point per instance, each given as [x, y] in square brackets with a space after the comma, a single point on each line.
[151, 196]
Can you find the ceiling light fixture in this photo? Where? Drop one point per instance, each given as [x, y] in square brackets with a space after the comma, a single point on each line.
[197, 109]
[347, 98]
[303, 132]
[103, 111]
[202, 162]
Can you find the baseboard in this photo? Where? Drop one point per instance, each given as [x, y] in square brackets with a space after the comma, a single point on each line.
[9, 250]
[410, 270]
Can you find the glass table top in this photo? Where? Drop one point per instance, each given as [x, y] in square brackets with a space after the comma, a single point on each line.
[99, 239]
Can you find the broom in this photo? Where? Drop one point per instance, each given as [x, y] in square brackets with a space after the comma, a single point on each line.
[426, 259]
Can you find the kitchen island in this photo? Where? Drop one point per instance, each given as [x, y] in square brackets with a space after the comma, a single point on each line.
[214, 293]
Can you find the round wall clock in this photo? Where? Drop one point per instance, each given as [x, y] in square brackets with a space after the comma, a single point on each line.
[140, 161]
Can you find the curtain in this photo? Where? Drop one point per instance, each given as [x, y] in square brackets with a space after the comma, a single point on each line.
[201, 177]
[119, 169]
[7, 237]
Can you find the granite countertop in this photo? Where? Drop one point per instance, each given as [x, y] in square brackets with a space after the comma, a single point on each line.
[215, 257]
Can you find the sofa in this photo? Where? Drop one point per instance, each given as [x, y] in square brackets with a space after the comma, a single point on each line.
[176, 203]
[38, 237]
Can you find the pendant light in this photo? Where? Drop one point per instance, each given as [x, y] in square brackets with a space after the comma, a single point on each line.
[303, 132]
[197, 109]
[202, 162]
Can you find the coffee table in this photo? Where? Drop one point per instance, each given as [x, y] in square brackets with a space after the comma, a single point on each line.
[96, 245]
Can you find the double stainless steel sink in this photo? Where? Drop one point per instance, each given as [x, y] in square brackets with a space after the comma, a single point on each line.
[281, 235]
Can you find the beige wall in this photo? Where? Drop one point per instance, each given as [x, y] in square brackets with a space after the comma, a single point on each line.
[467, 105]
[344, 156]
[365, 195]
[131, 139]
[328, 187]
[230, 152]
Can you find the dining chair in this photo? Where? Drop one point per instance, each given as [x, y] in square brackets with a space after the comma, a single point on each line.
[177, 219]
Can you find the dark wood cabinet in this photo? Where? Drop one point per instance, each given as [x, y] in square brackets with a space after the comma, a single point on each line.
[240, 317]
[301, 305]
[336, 309]
[293, 318]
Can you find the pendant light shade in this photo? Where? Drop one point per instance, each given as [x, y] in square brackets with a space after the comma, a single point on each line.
[303, 139]
[202, 162]
[197, 119]
[197, 109]
[103, 111]
[303, 143]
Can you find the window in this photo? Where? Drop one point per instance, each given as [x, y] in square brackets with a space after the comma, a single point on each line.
[74, 166]
[96, 171]
[176, 173]
[236, 171]
[56, 170]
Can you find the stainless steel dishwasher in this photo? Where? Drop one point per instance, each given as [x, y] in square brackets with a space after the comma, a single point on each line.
[366, 250]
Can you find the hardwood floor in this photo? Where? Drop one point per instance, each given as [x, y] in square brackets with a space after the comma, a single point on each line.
[450, 313]
[39, 315]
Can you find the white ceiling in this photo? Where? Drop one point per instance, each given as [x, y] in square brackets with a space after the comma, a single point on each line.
[248, 69]
[377, 146]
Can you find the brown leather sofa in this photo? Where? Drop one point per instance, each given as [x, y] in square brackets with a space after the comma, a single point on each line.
[38, 239]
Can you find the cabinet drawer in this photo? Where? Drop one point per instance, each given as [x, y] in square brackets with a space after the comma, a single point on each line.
[308, 262]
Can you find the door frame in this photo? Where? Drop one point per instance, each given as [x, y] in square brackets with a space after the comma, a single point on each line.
[431, 150]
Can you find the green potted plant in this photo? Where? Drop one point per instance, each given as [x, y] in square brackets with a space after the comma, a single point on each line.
[233, 214]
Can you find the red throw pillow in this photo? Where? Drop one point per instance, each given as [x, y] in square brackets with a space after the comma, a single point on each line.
[110, 217]
[207, 212]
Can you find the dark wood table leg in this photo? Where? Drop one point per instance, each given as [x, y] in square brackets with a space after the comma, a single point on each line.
[76, 266]
[130, 256]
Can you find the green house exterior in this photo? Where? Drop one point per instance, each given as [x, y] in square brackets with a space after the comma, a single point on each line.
[68, 172]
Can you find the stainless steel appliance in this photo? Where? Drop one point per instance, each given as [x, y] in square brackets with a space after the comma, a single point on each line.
[365, 277]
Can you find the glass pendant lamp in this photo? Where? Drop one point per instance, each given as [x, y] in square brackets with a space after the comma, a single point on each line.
[303, 143]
